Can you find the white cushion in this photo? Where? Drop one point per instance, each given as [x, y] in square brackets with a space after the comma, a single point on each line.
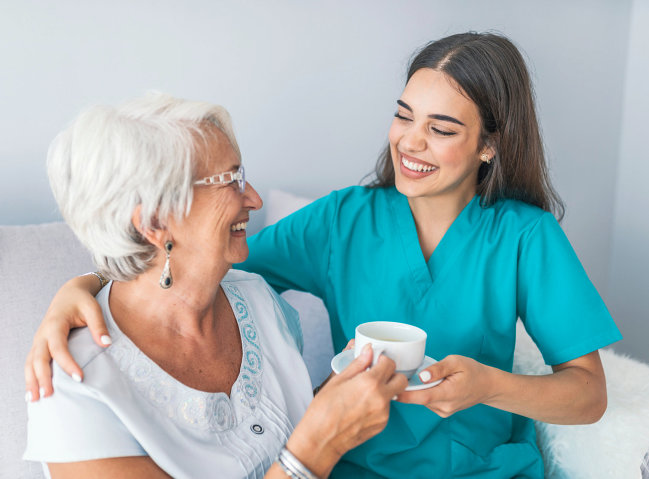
[613, 447]
[34, 262]
[279, 204]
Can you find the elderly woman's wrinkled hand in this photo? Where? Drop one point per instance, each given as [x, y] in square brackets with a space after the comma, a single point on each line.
[353, 407]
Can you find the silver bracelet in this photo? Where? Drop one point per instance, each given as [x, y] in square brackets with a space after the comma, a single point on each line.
[100, 277]
[292, 466]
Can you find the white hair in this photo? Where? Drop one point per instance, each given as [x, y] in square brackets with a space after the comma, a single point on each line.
[110, 160]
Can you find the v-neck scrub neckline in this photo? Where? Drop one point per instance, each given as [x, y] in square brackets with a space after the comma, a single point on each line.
[426, 273]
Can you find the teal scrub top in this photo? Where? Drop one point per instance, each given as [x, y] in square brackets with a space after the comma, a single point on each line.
[358, 250]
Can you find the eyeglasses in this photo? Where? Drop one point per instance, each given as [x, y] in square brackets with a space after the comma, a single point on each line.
[226, 178]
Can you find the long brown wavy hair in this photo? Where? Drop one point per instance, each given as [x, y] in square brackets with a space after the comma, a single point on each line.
[492, 73]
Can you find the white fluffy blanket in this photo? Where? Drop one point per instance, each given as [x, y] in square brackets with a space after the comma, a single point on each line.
[615, 446]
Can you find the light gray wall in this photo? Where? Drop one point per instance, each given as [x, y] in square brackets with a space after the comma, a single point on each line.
[629, 279]
[311, 86]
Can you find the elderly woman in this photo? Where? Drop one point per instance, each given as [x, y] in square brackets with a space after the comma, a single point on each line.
[204, 376]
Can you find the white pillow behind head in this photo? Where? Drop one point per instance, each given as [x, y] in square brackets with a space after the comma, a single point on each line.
[280, 204]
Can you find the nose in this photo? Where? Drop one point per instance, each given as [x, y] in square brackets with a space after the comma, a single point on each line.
[413, 139]
[251, 199]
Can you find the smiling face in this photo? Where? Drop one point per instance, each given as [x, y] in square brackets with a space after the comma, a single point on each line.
[213, 235]
[435, 139]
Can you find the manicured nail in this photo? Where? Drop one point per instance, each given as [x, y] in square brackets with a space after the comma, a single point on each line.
[28, 396]
[105, 339]
[366, 349]
[424, 376]
[394, 398]
[76, 377]
[41, 391]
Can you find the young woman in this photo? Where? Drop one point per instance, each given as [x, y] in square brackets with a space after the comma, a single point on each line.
[457, 236]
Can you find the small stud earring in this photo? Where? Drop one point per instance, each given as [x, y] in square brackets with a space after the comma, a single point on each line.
[484, 157]
[166, 280]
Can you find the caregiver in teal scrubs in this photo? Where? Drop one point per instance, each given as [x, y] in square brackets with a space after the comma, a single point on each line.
[457, 236]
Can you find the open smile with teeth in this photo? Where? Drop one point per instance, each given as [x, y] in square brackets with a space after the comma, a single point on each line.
[412, 166]
[239, 226]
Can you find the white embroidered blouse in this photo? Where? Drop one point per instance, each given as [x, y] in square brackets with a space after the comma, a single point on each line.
[128, 406]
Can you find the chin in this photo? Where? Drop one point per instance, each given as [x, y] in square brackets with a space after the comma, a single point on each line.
[412, 189]
[238, 256]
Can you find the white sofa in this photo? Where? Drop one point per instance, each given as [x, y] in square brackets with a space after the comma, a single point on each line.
[36, 259]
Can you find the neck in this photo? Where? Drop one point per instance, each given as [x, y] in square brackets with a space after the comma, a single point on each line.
[189, 308]
[434, 215]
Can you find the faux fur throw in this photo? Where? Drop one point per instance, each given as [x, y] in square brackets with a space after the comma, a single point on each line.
[615, 446]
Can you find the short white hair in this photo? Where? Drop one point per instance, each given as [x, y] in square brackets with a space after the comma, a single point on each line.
[112, 159]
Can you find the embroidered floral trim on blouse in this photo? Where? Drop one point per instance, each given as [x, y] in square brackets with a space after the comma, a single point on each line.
[205, 411]
[248, 384]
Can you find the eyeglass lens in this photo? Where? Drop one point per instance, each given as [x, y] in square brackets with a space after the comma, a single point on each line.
[242, 181]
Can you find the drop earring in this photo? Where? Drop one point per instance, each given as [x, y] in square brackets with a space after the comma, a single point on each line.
[485, 158]
[166, 280]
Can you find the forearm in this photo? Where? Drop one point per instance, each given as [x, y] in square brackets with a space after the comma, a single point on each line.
[353, 407]
[313, 452]
[572, 395]
[132, 467]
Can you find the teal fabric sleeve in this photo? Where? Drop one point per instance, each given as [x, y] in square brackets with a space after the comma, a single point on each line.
[294, 252]
[561, 309]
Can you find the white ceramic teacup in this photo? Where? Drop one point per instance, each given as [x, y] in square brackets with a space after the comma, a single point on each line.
[403, 343]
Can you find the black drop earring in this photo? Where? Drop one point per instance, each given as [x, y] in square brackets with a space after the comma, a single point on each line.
[166, 280]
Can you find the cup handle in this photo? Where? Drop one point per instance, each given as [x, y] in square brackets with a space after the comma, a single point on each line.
[376, 354]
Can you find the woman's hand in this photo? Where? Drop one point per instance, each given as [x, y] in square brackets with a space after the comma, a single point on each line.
[350, 345]
[73, 306]
[575, 392]
[352, 407]
[466, 382]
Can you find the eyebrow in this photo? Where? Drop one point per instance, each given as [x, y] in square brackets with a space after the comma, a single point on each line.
[434, 116]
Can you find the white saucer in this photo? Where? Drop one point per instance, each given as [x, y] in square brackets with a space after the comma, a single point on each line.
[342, 360]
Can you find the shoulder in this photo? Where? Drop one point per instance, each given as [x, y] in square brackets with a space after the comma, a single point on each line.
[252, 286]
[356, 202]
[360, 195]
[354, 196]
[517, 212]
[245, 278]
[83, 348]
[260, 296]
[514, 217]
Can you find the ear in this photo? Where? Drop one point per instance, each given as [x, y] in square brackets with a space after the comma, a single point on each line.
[155, 236]
[489, 147]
